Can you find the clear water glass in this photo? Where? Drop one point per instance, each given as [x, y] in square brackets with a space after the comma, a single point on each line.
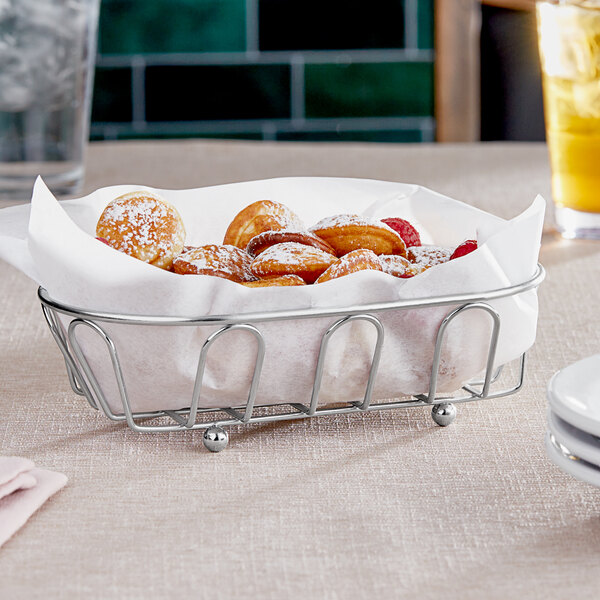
[47, 56]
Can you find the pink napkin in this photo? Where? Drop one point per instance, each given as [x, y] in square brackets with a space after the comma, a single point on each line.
[23, 489]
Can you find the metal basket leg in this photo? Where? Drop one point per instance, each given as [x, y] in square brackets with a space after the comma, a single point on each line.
[216, 438]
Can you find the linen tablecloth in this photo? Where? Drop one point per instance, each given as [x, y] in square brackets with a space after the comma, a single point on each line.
[384, 504]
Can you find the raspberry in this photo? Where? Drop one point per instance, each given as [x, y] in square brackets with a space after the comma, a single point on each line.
[103, 240]
[465, 248]
[405, 230]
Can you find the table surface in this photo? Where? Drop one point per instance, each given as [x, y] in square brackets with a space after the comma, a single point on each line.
[385, 503]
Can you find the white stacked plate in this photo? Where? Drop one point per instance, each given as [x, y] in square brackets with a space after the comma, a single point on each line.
[573, 436]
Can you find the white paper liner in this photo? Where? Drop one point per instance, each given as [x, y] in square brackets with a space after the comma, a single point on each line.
[54, 243]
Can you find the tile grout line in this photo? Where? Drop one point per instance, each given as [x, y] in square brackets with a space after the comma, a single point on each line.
[268, 126]
[252, 27]
[412, 55]
[110, 133]
[269, 131]
[411, 24]
[297, 92]
[138, 91]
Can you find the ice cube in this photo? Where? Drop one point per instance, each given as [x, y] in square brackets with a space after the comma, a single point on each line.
[586, 96]
[569, 41]
[41, 48]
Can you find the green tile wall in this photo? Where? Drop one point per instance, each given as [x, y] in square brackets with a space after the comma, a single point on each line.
[227, 68]
[112, 95]
[147, 26]
[369, 90]
[330, 24]
[425, 24]
[220, 92]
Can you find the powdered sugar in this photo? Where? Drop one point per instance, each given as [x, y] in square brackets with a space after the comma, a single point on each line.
[428, 256]
[290, 222]
[358, 260]
[215, 259]
[394, 265]
[280, 214]
[292, 253]
[345, 220]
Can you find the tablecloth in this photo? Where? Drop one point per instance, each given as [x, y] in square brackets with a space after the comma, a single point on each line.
[384, 504]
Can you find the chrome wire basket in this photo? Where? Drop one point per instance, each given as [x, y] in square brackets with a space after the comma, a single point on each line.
[85, 383]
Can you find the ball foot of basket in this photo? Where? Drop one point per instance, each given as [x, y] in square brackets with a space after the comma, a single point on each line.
[443, 414]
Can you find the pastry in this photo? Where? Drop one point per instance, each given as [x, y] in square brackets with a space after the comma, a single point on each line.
[144, 226]
[398, 266]
[351, 232]
[264, 240]
[292, 258]
[357, 260]
[428, 256]
[227, 262]
[266, 244]
[263, 215]
[284, 280]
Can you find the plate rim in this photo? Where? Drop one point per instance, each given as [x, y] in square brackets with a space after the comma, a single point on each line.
[581, 471]
[588, 450]
[565, 412]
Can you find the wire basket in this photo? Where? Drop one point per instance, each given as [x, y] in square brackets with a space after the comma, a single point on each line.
[213, 420]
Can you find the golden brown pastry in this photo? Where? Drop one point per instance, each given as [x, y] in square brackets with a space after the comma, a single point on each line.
[259, 243]
[263, 215]
[357, 260]
[428, 256]
[398, 266]
[144, 226]
[292, 258]
[352, 232]
[284, 280]
[227, 262]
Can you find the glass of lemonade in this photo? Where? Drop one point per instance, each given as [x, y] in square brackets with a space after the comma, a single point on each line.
[569, 42]
[47, 55]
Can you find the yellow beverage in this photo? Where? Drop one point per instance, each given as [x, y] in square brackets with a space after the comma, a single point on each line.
[569, 39]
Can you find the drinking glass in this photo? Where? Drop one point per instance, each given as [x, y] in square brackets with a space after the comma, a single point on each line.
[47, 55]
[569, 43]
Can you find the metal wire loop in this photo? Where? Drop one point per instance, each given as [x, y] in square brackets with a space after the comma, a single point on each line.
[314, 401]
[93, 382]
[260, 355]
[78, 385]
[489, 370]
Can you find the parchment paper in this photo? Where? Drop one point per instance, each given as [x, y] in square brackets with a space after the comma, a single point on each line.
[53, 243]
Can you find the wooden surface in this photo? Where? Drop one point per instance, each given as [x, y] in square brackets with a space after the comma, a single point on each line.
[457, 78]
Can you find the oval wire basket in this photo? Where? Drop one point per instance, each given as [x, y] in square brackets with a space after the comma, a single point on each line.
[212, 420]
